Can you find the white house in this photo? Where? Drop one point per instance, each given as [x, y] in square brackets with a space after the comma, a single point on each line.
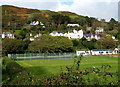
[72, 34]
[56, 34]
[116, 51]
[41, 23]
[36, 23]
[73, 25]
[97, 52]
[99, 30]
[92, 36]
[101, 52]
[83, 52]
[32, 38]
[104, 51]
[6, 34]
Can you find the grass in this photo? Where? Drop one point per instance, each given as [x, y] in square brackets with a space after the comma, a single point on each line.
[51, 67]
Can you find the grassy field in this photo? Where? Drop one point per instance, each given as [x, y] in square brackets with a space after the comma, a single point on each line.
[47, 68]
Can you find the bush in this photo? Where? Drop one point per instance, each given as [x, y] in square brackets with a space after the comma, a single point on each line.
[13, 68]
[14, 74]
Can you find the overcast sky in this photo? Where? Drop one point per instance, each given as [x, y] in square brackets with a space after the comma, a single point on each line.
[102, 9]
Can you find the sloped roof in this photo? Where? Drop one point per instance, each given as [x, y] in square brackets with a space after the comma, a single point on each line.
[89, 35]
[5, 31]
[102, 50]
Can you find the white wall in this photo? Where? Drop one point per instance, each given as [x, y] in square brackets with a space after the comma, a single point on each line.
[78, 53]
[98, 52]
[101, 52]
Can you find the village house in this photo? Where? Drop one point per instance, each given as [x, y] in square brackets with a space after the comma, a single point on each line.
[6, 34]
[37, 23]
[97, 52]
[72, 34]
[92, 36]
[83, 52]
[73, 25]
[57, 33]
[104, 51]
[32, 38]
[34, 23]
[99, 30]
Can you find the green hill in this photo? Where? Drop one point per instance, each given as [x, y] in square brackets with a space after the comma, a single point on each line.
[72, 15]
[18, 18]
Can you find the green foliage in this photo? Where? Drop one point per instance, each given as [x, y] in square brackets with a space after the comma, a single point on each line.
[80, 20]
[75, 42]
[12, 46]
[14, 74]
[84, 44]
[118, 36]
[47, 44]
[106, 42]
[21, 35]
[60, 19]
[70, 14]
[113, 21]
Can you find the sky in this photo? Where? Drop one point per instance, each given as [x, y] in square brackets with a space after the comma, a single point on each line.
[101, 9]
[119, 12]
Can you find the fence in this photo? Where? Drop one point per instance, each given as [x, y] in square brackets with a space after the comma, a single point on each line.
[33, 56]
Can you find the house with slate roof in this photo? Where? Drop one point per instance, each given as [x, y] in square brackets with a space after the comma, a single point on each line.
[92, 36]
[72, 34]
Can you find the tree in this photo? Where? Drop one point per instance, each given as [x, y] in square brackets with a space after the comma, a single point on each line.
[60, 19]
[88, 44]
[48, 44]
[103, 20]
[75, 42]
[11, 46]
[90, 20]
[21, 35]
[118, 36]
[112, 23]
[106, 42]
[80, 20]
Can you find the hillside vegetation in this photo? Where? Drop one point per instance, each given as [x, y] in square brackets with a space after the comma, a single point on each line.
[17, 20]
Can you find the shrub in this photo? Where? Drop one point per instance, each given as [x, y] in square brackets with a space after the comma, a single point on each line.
[14, 74]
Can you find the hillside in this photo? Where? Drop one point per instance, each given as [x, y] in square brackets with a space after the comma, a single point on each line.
[8, 9]
[17, 18]
[72, 15]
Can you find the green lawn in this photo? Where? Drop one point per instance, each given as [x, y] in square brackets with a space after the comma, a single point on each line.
[47, 68]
